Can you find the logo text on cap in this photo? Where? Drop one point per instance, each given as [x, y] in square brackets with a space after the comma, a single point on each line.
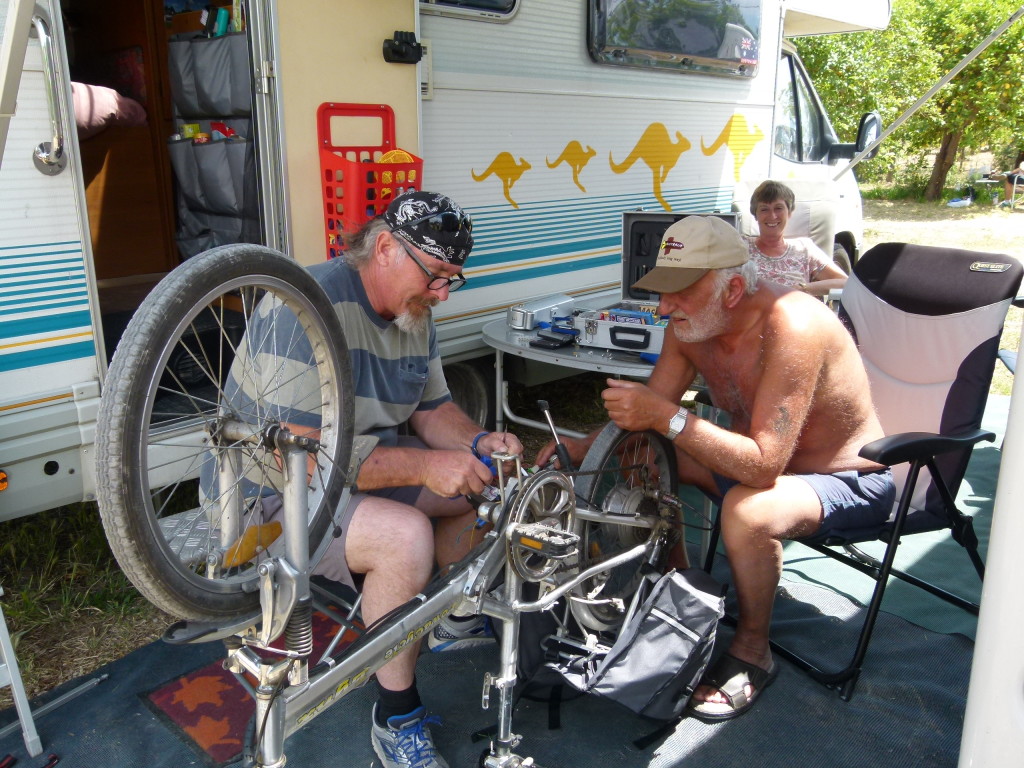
[671, 244]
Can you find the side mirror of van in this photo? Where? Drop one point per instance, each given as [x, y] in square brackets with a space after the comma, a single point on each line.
[868, 131]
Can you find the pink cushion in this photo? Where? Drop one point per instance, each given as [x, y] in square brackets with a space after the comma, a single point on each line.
[97, 107]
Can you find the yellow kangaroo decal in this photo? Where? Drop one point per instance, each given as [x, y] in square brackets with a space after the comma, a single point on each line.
[505, 167]
[740, 137]
[576, 157]
[657, 149]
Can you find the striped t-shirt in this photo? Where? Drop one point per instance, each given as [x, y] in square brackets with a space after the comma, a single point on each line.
[395, 373]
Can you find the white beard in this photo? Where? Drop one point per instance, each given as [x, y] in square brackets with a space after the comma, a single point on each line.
[708, 324]
[407, 322]
[416, 318]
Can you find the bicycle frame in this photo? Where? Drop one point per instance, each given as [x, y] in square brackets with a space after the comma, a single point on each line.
[289, 694]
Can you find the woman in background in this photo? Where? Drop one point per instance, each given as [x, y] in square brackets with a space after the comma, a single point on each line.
[795, 262]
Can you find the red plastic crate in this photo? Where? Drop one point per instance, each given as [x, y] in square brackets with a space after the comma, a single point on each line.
[356, 185]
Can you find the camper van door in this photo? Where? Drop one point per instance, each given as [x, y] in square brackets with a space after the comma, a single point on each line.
[51, 351]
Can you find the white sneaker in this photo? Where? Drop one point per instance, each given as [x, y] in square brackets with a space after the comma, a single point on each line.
[452, 635]
[406, 741]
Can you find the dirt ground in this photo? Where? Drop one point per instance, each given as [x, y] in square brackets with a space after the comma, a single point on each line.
[55, 655]
[980, 227]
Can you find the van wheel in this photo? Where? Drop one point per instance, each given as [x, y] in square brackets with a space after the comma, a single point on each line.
[472, 390]
[841, 257]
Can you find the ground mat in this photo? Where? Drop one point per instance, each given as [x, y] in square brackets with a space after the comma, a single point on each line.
[907, 710]
[210, 709]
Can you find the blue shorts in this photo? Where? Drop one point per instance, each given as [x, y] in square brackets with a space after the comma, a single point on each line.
[853, 502]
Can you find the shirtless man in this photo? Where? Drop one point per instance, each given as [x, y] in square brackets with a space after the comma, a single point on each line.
[789, 373]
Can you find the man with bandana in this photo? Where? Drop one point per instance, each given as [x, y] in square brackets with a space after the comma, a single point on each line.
[790, 376]
[408, 512]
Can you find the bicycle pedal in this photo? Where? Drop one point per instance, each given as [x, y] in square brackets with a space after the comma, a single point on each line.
[544, 540]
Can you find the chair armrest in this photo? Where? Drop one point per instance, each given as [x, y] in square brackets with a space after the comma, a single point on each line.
[907, 446]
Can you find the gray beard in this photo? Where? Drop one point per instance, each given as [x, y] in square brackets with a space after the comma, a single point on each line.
[412, 324]
[707, 325]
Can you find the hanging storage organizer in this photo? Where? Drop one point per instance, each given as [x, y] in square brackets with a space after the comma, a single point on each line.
[217, 197]
[358, 182]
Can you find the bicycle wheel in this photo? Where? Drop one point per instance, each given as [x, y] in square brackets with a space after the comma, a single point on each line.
[231, 344]
[630, 472]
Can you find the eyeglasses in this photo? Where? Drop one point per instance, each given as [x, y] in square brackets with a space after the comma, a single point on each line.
[434, 282]
[446, 221]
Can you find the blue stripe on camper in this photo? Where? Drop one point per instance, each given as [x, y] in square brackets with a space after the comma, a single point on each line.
[560, 228]
[532, 253]
[45, 304]
[26, 247]
[60, 354]
[42, 252]
[528, 272]
[46, 278]
[44, 324]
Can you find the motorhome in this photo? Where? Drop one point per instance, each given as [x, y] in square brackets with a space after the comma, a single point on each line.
[137, 133]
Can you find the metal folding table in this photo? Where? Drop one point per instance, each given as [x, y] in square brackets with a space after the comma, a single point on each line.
[507, 341]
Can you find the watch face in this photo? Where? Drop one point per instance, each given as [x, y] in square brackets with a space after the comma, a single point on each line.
[676, 424]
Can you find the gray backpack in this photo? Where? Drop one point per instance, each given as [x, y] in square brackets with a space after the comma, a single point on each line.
[661, 652]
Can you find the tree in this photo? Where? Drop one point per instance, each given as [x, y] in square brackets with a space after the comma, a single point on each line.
[983, 106]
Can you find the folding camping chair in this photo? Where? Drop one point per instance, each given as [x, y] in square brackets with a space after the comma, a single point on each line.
[927, 322]
[1017, 192]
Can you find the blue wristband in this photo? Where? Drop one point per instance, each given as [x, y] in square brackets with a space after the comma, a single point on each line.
[476, 440]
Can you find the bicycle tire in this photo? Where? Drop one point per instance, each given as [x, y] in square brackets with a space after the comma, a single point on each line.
[601, 474]
[186, 349]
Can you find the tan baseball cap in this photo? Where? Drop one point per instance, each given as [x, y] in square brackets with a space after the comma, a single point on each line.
[690, 248]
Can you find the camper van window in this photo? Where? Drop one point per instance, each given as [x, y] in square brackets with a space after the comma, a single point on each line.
[802, 132]
[811, 144]
[718, 37]
[484, 10]
[786, 124]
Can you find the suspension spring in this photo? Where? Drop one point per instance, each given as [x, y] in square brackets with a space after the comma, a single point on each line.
[299, 632]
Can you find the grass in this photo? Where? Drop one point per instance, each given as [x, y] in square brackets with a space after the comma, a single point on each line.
[882, 192]
[1002, 379]
[58, 563]
[66, 601]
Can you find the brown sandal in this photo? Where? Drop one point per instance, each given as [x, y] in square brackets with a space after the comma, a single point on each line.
[731, 676]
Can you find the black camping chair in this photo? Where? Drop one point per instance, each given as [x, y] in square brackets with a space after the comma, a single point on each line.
[927, 322]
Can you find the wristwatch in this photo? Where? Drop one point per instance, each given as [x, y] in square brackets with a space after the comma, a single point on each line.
[677, 423]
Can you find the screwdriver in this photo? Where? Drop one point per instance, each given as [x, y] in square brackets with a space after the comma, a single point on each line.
[561, 451]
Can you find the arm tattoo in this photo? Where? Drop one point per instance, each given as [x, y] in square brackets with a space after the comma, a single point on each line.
[783, 422]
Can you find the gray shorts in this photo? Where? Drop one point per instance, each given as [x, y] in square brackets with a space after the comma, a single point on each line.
[853, 502]
[334, 565]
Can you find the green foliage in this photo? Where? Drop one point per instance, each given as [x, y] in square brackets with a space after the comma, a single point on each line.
[889, 192]
[58, 563]
[890, 70]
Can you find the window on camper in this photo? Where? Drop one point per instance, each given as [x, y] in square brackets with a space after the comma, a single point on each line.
[484, 10]
[714, 36]
[802, 131]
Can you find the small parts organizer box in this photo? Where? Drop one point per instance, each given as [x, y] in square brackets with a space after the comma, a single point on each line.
[633, 324]
[629, 325]
[358, 182]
